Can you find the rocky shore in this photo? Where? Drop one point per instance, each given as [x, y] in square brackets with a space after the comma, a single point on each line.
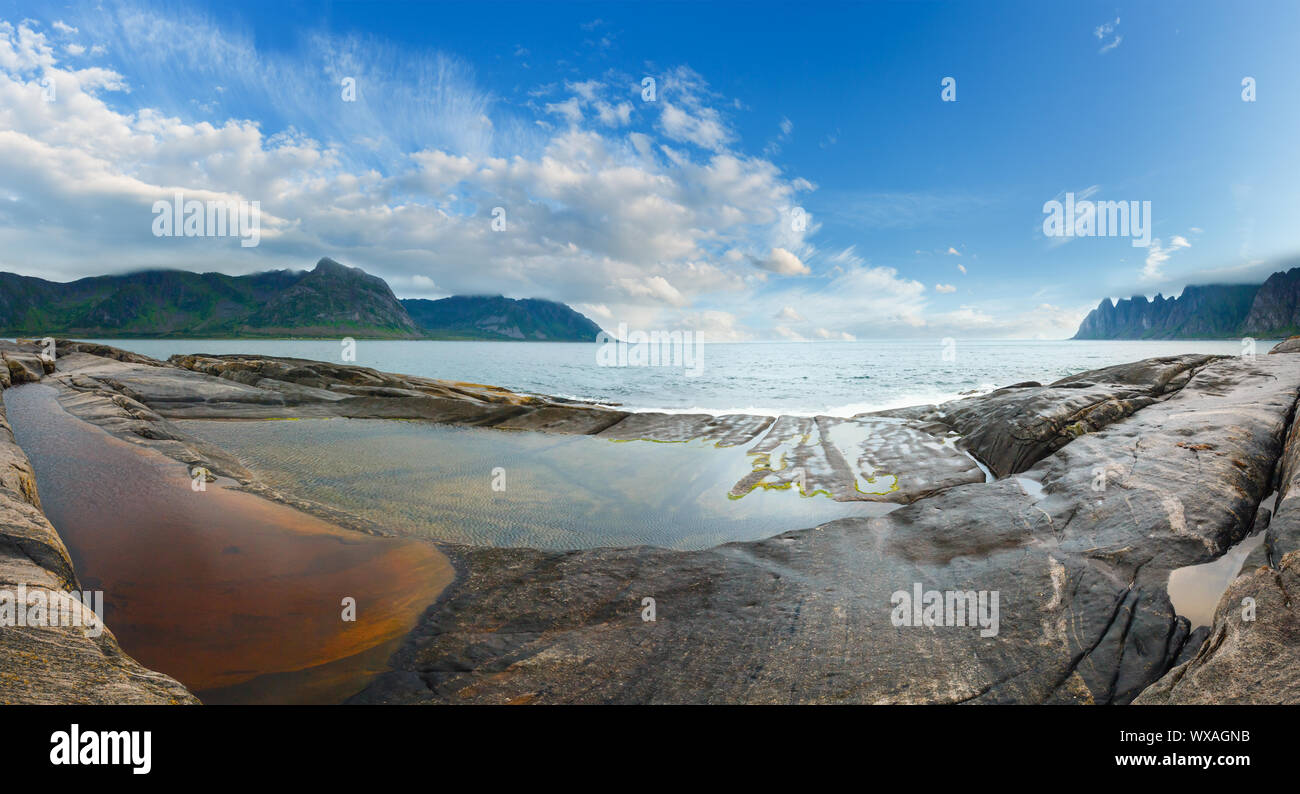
[1072, 501]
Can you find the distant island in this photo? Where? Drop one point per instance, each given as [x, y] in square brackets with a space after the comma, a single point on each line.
[330, 301]
[1215, 311]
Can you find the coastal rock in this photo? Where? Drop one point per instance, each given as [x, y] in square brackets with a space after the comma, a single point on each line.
[1244, 661]
[65, 346]
[1288, 345]
[725, 431]
[1253, 647]
[565, 420]
[1013, 428]
[23, 368]
[807, 616]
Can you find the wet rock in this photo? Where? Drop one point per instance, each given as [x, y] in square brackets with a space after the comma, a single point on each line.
[1253, 646]
[564, 419]
[1188, 472]
[726, 431]
[858, 459]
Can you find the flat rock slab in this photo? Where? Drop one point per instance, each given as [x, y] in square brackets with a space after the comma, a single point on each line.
[1180, 481]
[1252, 649]
[729, 430]
[564, 420]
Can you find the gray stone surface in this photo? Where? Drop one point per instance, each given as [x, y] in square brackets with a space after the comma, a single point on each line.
[1013, 428]
[1253, 660]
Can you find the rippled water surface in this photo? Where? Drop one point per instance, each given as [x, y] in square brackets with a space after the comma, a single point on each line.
[557, 492]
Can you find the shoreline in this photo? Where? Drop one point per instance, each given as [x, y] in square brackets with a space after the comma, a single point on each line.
[1041, 433]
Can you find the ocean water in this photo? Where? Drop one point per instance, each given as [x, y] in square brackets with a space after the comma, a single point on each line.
[832, 378]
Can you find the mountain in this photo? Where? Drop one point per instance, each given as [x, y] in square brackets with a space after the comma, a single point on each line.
[332, 300]
[1202, 312]
[1276, 308]
[495, 317]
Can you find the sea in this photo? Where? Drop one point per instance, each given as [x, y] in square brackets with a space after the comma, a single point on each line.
[770, 378]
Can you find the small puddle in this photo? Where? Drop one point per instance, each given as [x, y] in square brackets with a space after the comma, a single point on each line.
[1032, 488]
[1196, 590]
[237, 597]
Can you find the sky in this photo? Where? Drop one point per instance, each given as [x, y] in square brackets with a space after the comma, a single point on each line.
[795, 174]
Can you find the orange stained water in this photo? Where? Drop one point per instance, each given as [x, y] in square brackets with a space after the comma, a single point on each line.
[237, 597]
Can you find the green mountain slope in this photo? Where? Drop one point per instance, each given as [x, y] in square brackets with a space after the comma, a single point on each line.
[495, 317]
[330, 301]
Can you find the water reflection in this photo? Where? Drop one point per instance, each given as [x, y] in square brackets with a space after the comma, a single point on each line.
[554, 491]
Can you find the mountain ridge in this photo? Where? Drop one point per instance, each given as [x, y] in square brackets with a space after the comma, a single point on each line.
[329, 301]
[1210, 311]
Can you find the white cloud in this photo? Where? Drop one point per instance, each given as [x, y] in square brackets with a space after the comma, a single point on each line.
[614, 115]
[702, 128]
[953, 251]
[784, 263]
[569, 109]
[789, 315]
[654, 287]
[1106, 29]
[962, 268]
[944, 288]
[1158, 254]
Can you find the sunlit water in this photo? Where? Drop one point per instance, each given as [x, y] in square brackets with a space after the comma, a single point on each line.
[500, 488]
[833, 378]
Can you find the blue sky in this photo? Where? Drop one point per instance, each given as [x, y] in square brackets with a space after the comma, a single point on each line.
[924, 217]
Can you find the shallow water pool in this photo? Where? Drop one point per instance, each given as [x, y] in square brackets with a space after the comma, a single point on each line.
[502, 488]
